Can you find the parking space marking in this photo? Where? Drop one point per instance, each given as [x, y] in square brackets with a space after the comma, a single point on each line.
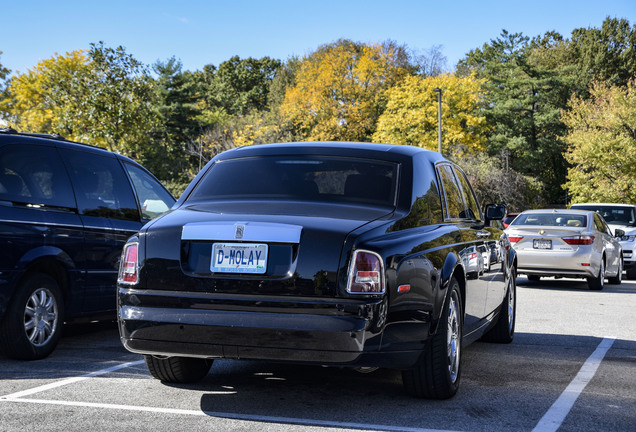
[233, 416]
[19, 397]
[69, 381]
[553, 419]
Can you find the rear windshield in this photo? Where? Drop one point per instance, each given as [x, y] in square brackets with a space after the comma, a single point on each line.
[308, 178]
[551, 219]
[613, 214]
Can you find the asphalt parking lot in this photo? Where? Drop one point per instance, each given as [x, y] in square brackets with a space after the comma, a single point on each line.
[571, 367]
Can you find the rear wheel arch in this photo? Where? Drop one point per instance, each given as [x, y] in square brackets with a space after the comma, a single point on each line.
[52, 267]
[452, 270]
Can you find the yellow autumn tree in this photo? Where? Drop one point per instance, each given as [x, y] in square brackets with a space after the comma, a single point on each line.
[340, 90]
[601, 142]
[411, 114]
[39, 100]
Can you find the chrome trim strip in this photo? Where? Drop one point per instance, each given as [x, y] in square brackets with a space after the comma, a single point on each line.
[253, 231]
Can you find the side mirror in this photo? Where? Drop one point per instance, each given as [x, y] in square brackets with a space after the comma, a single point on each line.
[619, 233]
[495, 211]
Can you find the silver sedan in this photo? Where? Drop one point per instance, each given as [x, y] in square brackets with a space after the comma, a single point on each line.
[566, 243]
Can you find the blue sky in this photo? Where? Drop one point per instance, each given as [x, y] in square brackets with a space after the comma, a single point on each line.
[210, 32]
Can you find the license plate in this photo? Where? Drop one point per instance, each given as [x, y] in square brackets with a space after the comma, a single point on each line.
[542, 244]
[239, 258]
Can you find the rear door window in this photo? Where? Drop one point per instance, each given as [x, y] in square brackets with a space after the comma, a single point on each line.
[34, 175]
[455, 208]
[101, 186]
[472, 208]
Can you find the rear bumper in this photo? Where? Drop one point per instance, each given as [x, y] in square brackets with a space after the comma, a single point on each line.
[314, 332]
[555, 263]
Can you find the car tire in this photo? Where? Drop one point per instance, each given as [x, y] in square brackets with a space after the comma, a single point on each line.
[631, 273]
[534, 278]
[504, 330]
[32, 324]
[597, 283]
[616, 280]
[180, 370]
[438, 371]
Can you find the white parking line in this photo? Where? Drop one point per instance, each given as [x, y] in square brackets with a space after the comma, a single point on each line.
[19, 397]
[69, 381]
[233, 416]
[553, 419]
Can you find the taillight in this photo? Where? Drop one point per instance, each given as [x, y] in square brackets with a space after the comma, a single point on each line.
[473, 255]
[129, 266]
[514, 239]
[583, 240]
[366, 274]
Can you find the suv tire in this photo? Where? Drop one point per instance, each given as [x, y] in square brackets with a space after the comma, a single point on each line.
[32, 325]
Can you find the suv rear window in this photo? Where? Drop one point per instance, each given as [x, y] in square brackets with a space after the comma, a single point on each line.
[323, 179]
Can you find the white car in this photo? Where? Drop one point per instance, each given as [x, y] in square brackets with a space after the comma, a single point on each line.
[566, 243]
[623, 217]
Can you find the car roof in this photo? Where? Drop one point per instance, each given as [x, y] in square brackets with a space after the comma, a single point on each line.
[11, 136]
[330, 148]
[557, 211]
[604, 204]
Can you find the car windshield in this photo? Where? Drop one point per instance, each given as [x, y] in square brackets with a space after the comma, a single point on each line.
[615, 215]
[307, 178]
[551, 219]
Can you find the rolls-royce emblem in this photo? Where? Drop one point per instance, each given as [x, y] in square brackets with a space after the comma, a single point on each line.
[238, 233]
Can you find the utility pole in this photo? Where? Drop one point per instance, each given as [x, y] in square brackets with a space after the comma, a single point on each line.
[439, 119]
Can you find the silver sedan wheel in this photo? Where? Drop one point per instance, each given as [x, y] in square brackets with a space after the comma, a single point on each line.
[40, 316]
[452, 338]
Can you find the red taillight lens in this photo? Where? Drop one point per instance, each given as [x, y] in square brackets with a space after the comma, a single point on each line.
[366, 274]
[128, 269]
[579, 240]
[514, 239]
[473, 255]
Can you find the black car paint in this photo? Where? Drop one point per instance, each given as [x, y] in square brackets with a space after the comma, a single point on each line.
[81, 252]
[308, 316]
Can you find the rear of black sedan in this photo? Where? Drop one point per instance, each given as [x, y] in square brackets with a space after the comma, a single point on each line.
[312, 253]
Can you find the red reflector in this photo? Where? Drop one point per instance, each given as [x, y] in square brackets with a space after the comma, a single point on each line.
[585, 264]
[514, 239]
[404, 288]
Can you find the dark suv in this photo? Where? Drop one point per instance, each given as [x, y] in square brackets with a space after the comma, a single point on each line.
[66, 210]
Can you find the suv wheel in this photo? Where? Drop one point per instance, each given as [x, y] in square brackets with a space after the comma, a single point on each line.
[32, 325]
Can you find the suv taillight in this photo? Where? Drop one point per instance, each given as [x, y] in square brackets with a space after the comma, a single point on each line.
[366, 275]
[129, 266]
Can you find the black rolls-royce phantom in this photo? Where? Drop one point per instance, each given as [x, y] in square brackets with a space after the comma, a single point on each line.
[343, 254]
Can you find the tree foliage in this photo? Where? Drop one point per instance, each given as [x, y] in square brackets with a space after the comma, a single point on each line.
[494, 183]
[526, 89]
[102, 97]
[45, 98]
[602, 145]
[340, 90]
[411, 114]
[607, 54]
